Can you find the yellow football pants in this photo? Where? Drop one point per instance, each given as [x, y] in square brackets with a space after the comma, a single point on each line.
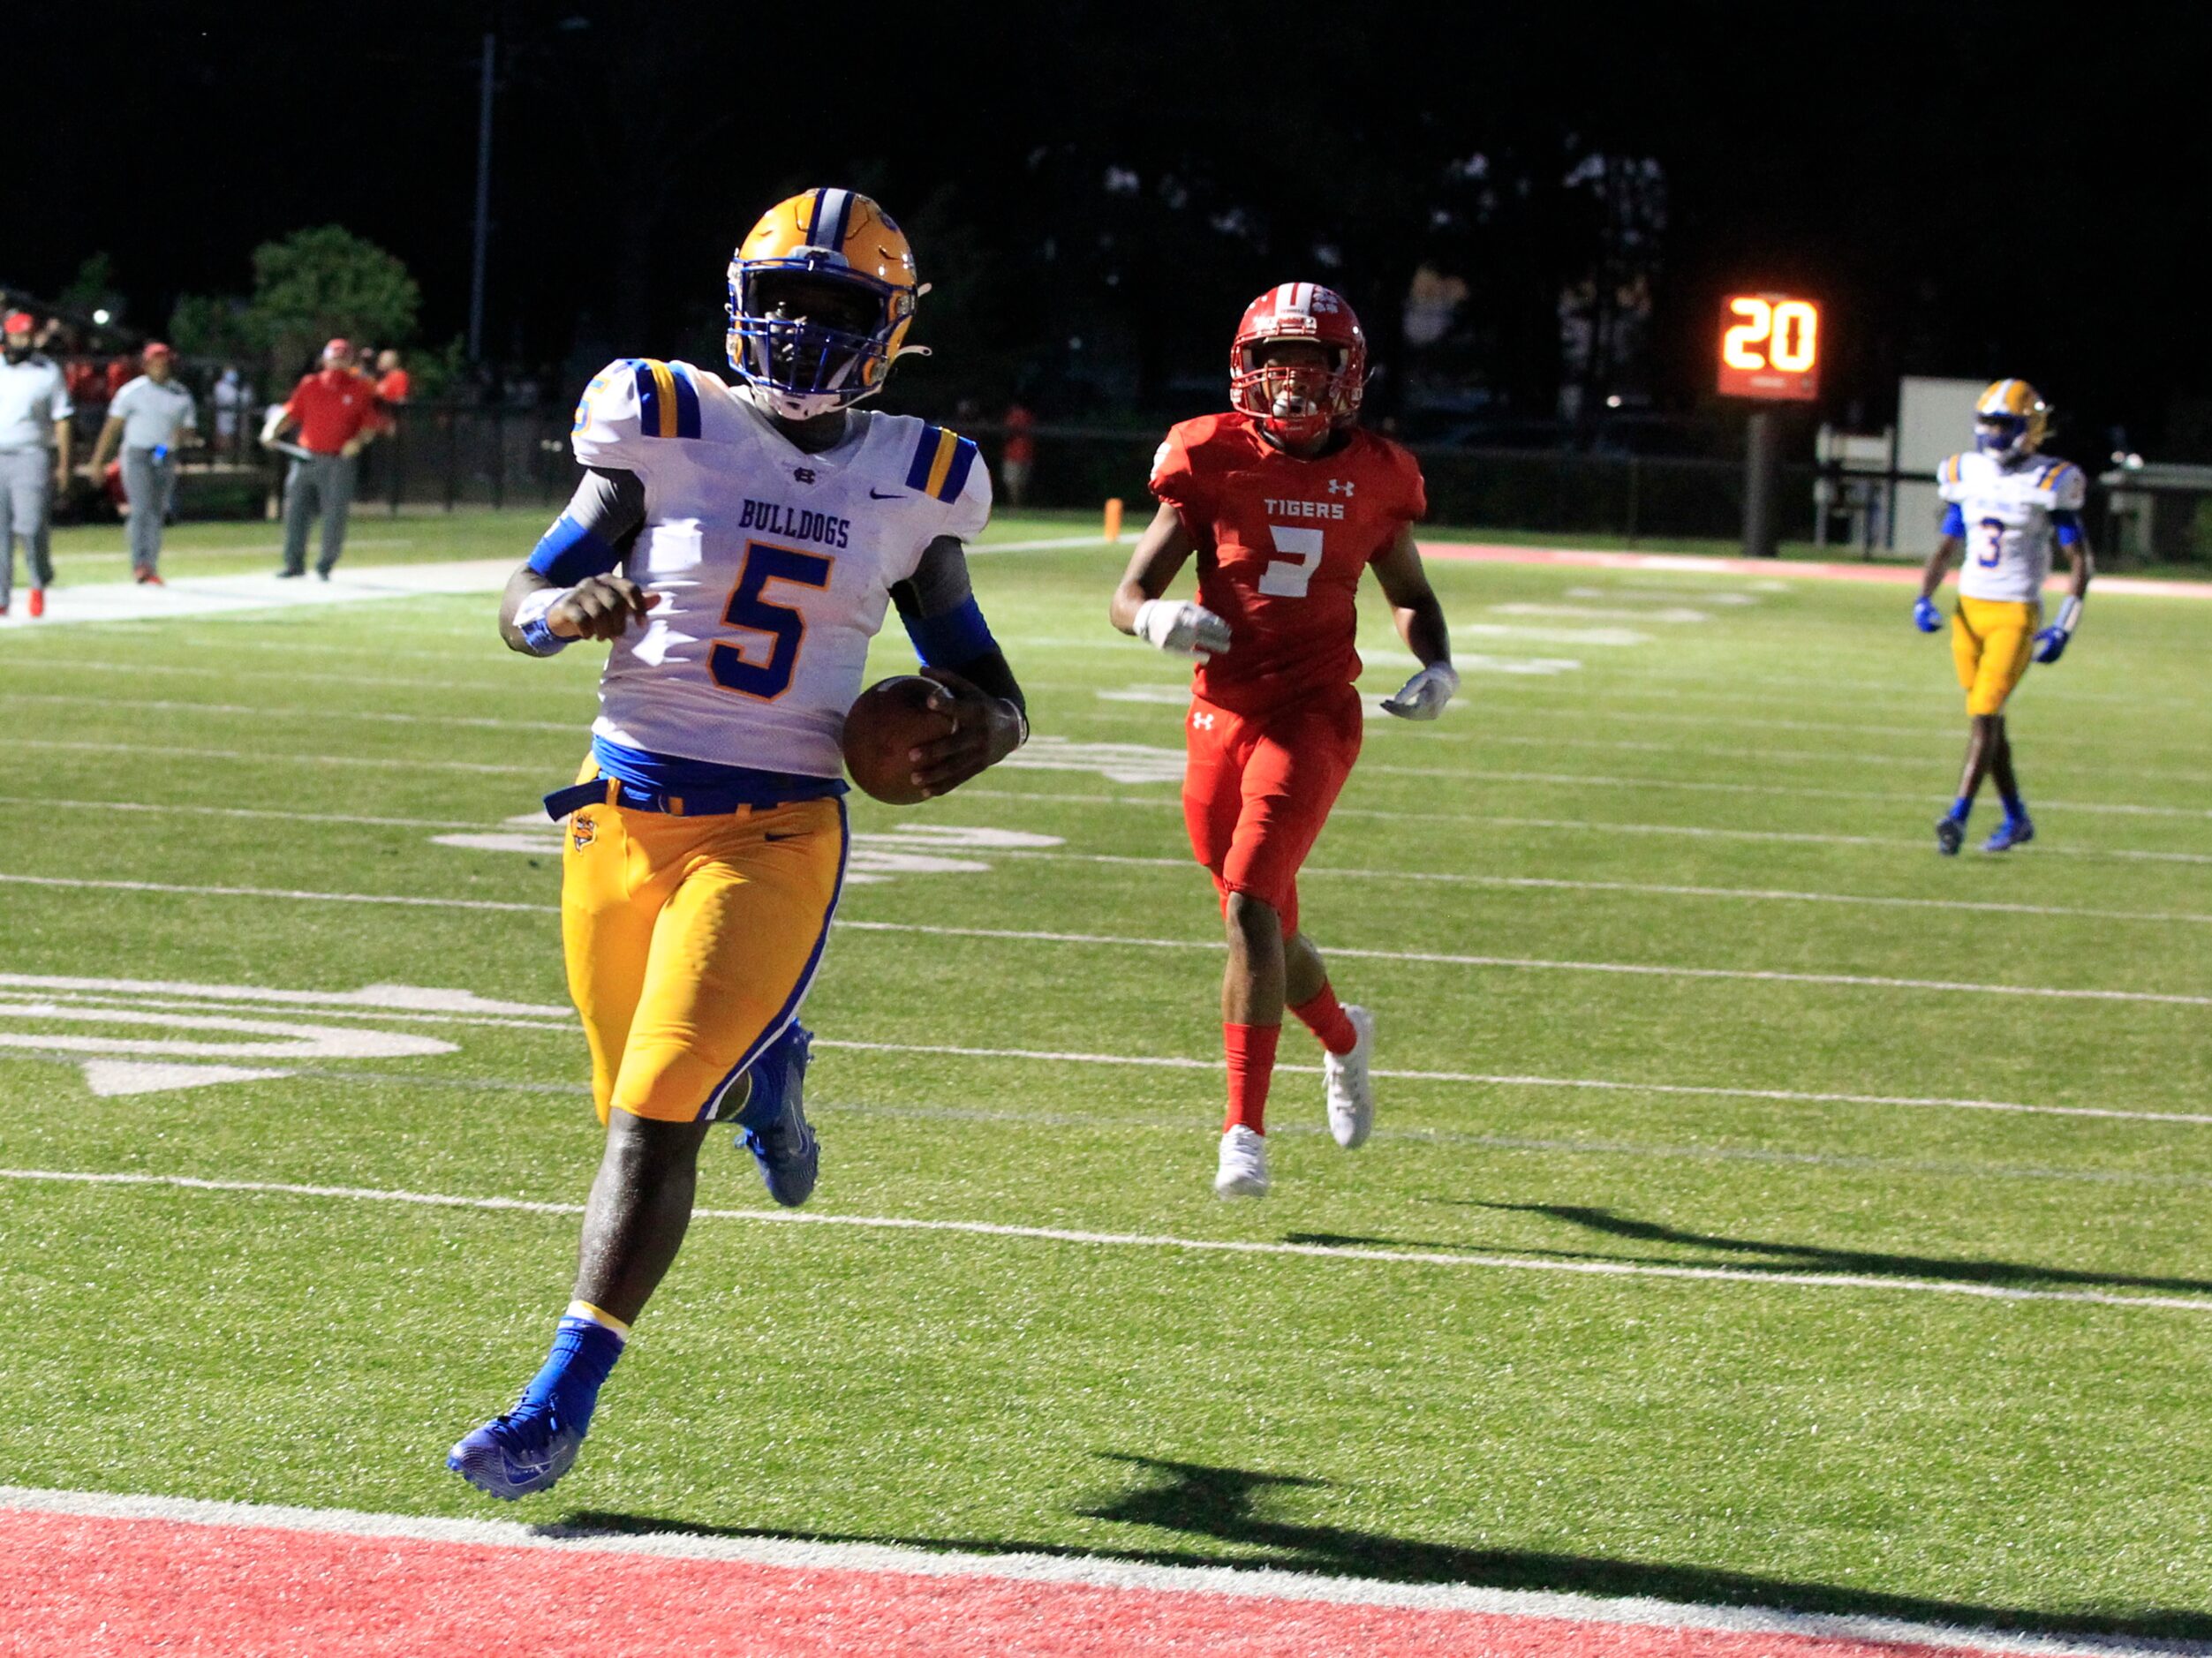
[1992, 641]
[691, 942]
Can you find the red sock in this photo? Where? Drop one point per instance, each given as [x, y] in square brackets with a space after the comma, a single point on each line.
[1251, 1050]
[1324, 1017]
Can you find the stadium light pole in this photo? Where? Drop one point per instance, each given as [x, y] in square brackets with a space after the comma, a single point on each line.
[483, 200]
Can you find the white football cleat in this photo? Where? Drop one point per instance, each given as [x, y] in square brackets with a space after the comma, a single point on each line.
[1351, 1089]
[1244, 1170]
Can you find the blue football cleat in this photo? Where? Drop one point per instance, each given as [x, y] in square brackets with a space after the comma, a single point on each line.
[773, 1124]
[1949, 832]
[514, 1455]
[2013, 832]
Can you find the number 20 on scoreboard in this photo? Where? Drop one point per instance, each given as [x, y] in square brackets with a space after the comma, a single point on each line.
[1770, 347]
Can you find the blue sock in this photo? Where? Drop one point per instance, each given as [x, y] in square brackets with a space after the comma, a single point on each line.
[1960, 807]
[583, 1350]
[2015, 808]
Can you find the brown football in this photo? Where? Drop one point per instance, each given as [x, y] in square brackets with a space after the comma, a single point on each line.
[884, 722]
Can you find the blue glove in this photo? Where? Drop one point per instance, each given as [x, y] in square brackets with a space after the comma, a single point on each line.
[1926, 617]
[2050, 643]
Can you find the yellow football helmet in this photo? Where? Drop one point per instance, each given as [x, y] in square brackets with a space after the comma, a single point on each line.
[2010, 419]
[821, 294]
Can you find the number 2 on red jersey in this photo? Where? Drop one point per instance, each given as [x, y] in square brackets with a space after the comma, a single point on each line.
[1296, 555]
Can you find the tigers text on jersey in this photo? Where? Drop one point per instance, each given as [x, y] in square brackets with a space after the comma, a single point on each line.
[2004, 512]
[1283, 542]
[772, 566]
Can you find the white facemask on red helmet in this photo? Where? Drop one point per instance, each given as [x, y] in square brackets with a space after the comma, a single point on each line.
[1299, 405]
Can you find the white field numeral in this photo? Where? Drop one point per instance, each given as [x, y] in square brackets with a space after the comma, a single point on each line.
[1282, 579]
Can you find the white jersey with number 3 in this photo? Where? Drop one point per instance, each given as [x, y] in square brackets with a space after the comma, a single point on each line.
[772, 566]
[2004, 513]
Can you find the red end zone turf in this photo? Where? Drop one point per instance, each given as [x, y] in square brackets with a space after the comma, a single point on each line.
[95, 1585]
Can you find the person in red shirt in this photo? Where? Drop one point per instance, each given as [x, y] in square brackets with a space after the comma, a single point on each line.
[393, 382]
[335, 412]
[1286, 503]
[1020, 454]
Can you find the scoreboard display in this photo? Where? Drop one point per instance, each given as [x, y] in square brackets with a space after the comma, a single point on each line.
[1769, 348]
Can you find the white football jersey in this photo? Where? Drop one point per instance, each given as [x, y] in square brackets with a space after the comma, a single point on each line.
[773, 566]
[2006, 519]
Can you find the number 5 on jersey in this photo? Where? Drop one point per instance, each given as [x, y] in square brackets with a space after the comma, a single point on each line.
[783, 624]
[1297, 555]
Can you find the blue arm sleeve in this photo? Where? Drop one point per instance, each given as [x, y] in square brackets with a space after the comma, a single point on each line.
[2068, 525]
[960, 635]
[568, 552]
[1954, 521]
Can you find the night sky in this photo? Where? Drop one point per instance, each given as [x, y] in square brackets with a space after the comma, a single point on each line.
[1970, 191]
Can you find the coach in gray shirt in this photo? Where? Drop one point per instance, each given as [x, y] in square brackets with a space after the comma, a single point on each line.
[154, 417]
[34, 412]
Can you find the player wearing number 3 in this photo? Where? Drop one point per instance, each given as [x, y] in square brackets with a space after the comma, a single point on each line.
[2008, 505]
[1286, 502]
[739, 546]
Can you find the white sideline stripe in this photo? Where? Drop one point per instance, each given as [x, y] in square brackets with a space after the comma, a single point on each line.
[1657, 888]
[1100, 1572]
[1148, 1240]
[1541, 965]
[1535, 964]
[1501, 1080]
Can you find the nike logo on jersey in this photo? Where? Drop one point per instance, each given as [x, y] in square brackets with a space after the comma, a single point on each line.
[885, 494]
[798, 523]
[1308, 508]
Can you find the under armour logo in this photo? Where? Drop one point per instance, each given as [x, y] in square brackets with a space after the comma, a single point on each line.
[804, 474]
[1205, 722]
[1337, 484]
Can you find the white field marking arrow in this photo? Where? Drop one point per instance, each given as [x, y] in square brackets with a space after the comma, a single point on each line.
[279, 1041]
[1117, 762]
[108, 1078]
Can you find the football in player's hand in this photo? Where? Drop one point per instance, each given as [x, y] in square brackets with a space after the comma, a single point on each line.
[884, 725]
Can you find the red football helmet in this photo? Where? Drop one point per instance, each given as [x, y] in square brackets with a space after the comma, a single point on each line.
[1299, 404]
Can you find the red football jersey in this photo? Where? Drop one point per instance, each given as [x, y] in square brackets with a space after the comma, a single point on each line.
[1283, 543]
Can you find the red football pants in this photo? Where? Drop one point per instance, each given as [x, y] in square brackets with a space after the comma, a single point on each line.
[1257, 789]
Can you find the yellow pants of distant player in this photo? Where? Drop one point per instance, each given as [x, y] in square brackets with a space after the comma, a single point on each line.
[691, 942]
[1992, 641]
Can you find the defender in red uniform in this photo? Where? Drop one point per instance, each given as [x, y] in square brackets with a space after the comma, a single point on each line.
[1286, 503]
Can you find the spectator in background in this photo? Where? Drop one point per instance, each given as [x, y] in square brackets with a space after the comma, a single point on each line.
[153, 417]
[335, 412]
[1020, 454]
[35, 414]
[121, 371]
[393, 384]
[231, 397]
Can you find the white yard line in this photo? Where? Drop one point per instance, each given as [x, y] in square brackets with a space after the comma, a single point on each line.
[1146, 1240]
[1015, 935]
[1541, 965]
[391, 763]
[573, 729]
[45, 801]
[1652, 888]
[559, 1021]
[1099, 1571]
[1602, 826]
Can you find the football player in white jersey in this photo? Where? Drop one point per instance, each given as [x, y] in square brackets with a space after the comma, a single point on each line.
[738, 545]
[2008, 506]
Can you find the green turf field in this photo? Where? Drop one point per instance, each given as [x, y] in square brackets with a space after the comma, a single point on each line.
[1648, 773]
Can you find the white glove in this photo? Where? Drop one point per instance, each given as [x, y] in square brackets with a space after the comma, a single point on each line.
[1424, 696]
[1191, 630]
